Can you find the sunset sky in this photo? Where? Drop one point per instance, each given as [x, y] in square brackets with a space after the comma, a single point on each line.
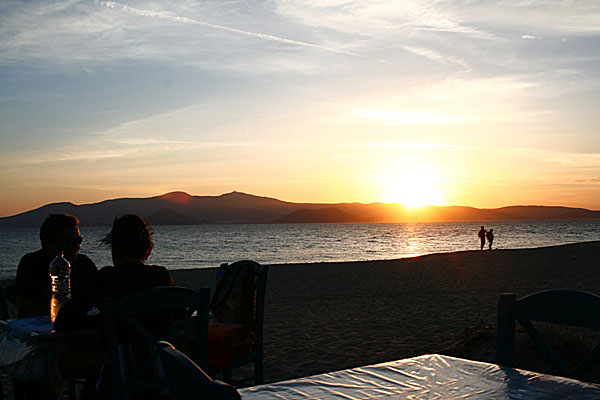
[476, 103]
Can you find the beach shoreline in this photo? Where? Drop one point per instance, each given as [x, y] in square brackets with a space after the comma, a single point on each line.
[327, 316]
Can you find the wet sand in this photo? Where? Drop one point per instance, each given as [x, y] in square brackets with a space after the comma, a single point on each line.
[328, 316]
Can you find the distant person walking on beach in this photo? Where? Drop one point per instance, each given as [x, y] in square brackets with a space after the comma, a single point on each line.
[490, 238]
[481, 235]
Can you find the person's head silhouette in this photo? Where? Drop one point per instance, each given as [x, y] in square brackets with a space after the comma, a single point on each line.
[60, 232]
[130, 240]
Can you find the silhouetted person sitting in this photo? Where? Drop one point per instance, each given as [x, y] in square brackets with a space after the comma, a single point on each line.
[58, 232]
[131, 244]
[490, 238]
[481, 235]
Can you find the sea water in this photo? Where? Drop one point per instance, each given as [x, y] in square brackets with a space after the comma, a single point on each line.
[201, 246]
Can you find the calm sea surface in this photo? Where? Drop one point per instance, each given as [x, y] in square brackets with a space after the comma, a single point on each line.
[182, 247]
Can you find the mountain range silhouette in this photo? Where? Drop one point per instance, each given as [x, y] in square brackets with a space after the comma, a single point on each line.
[180, 208]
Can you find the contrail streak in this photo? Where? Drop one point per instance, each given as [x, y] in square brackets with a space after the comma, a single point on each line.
[186, 20]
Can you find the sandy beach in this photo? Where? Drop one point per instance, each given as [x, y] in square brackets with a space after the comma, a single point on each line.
[329, 316]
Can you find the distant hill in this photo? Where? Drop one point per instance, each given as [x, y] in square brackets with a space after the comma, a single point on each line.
[322, 215]
[177, 208]
[166, 216]
[545, 212]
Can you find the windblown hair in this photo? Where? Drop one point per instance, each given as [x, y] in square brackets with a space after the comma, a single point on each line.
[130, 236]
[54, 224]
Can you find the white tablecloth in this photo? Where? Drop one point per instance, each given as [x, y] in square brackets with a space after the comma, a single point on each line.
[31, 351]
[20, 356]
[427, 377]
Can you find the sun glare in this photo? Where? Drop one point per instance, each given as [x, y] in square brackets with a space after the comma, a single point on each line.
[412, 190]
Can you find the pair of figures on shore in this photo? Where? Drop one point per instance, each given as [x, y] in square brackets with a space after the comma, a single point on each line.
[483, 235]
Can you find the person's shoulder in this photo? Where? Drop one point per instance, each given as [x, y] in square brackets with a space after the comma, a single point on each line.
[83, 258]
[85, 261]
[158, 269]
[106, 273]
[161, 272]
[34, 255]
[32, 273]
[109, 269]
[31, 260]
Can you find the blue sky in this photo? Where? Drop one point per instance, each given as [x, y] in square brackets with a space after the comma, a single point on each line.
[482, 103]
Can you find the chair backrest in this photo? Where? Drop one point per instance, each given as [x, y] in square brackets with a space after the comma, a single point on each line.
[566, 307]
[138, 322]
[3, 306]
[240, 294]
[187, 380]
[261, 291]
[8, 299]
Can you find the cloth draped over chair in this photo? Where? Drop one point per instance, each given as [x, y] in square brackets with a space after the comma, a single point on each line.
[235, 336]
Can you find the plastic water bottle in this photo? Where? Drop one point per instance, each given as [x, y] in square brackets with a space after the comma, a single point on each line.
[60, 274]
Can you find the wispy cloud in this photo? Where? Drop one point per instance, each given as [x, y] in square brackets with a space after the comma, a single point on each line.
[436, 56]
[574, 160]
[407, 145]
[477, 183]
[550, 16]
[87, 36]
[378, 18]
[592, 181]
[560, 162]
[118, 149]
[104, 112]
[186, 20]
[148, 138]
[407, 117]
[506, 99]
[285, 34]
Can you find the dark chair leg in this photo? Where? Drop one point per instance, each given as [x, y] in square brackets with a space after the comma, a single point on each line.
[72, 395]
[17, 389]
[258, 370]
[227, 375]
[32, 390]
[506, 330]
[88, 391]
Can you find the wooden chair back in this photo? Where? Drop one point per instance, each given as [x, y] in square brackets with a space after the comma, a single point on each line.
[3, 306]
[123, 323]
[566, 307]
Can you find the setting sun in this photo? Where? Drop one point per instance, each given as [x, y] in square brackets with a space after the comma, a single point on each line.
[411, 190]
